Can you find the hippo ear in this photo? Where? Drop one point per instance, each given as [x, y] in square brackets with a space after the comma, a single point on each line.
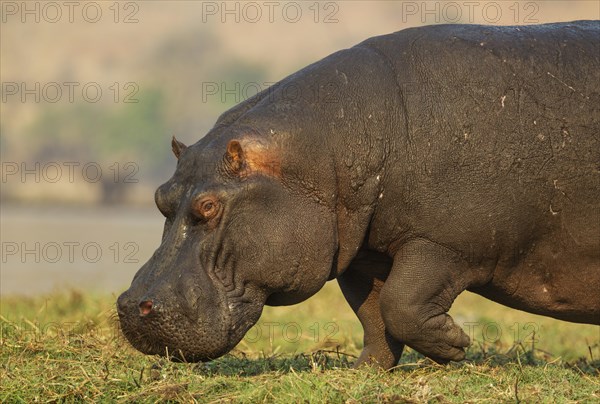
[254, 157]
[235, 156]
[177, 147]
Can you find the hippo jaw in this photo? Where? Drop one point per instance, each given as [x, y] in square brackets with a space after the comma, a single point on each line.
[176, 329]
[187, 328]
[201, 342]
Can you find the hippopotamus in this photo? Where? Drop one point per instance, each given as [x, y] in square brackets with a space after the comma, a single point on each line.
[410, 168]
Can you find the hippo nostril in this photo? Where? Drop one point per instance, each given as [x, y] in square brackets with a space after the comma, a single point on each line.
[145, 307]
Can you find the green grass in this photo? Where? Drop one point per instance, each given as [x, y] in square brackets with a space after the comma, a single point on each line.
[67, 347]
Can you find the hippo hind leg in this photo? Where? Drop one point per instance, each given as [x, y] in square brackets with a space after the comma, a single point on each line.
[423, 283]
[361, 284]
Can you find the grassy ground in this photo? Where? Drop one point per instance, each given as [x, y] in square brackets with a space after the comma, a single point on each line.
[67, 347]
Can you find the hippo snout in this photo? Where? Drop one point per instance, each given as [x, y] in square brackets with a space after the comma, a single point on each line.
[189, 319]
[167, 328]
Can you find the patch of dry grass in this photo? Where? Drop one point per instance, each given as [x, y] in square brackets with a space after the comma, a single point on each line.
[67, 347]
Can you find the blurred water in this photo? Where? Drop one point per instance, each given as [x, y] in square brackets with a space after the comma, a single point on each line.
[53, 248]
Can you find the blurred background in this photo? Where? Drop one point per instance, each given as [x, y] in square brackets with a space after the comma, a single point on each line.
[93, 91]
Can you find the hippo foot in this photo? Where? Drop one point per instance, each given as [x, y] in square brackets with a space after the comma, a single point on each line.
[440, 339]
[361, 285]
[424, 281]
[383, 352]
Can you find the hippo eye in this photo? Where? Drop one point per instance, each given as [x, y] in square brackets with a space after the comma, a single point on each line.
[206, 208]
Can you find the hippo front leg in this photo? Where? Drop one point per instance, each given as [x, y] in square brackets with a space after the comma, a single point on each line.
[361, 284]
[424, 281]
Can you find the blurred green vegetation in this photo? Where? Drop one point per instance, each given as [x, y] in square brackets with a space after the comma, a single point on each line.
[136, 131]
[170, 100]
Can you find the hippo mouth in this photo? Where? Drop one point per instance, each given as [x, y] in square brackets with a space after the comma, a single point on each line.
[169, 333]
[172, 332]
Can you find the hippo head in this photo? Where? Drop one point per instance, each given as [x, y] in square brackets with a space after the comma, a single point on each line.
[237, 236]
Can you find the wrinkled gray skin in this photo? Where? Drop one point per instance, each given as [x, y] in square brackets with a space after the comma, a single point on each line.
[410, 167]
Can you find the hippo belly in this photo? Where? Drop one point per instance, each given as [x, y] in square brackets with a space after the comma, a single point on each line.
[559, 277]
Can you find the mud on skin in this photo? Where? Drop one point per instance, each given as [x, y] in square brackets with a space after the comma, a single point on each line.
[435, 160]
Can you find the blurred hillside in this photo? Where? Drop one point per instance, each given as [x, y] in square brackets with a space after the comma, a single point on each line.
[103, 92]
